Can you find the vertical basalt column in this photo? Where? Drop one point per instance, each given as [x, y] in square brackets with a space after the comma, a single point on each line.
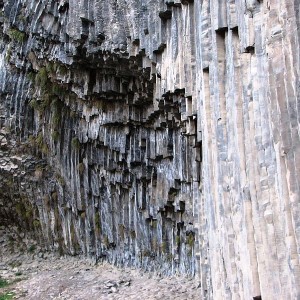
[246, 126]
[238, 135]
[207, 222]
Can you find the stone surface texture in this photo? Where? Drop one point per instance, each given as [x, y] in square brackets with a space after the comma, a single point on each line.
[157, 134]
[37, 275]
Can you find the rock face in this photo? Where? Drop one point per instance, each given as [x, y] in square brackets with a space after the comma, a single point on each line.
[157, 134]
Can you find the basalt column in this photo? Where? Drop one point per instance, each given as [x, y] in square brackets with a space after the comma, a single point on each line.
[157, 134]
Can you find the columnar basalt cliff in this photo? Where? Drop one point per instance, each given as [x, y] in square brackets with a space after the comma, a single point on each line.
[157, 134]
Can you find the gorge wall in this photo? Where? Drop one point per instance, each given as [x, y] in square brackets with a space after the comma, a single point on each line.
[157, 134]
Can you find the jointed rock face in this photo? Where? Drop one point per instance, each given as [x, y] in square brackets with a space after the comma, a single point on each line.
[158, 134]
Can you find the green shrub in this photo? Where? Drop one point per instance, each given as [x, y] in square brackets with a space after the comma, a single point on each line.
[58, 90]
[41, 105]
[19, 208]
[51, 67]
[47, 100]
[153, 224]
[63, 70]
[33, 103]
[31, 248]
[56, 117]
[29, 213]
[3, 283]
[55, 135]
[36, 224]
[42, 77]
[75, 143]
[60, 179]
[45, 149]
[7, 296]
[190, 239]
[16, 35]
[31, 76]
[39, 140]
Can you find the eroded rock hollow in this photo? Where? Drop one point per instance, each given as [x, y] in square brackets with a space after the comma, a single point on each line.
[157, 134]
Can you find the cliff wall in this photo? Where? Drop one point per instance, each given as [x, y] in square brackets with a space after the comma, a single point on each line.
[157, 134]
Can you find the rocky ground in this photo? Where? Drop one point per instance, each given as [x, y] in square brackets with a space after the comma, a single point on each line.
[38, 275]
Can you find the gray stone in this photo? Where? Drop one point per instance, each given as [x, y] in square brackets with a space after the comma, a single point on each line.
[158, 135]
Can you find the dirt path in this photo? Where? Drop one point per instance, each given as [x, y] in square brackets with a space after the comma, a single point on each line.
[46, 276]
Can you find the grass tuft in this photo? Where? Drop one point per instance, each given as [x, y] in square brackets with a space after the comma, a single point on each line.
[3, 283]
[7, 296]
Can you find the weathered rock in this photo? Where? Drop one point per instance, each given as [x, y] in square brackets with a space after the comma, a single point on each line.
[162, 135]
